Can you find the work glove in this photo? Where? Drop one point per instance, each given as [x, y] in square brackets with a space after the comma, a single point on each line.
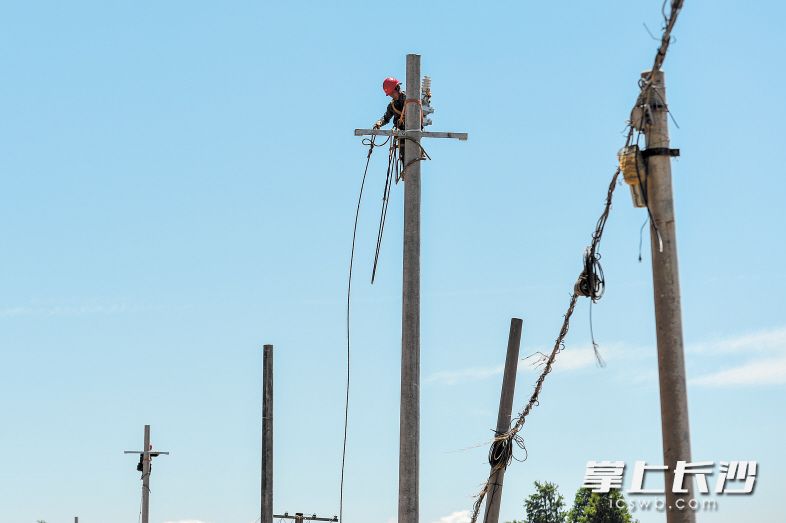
[377, 125]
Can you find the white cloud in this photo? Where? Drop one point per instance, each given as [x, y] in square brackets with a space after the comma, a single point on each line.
[579, 357]
[63, 310]
[572, 358]
[766, 371]
[761, 341]
[452, 377]
[461, 516]
[767, 365]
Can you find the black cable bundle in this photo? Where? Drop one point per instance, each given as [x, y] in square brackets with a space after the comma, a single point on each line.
[591, 282]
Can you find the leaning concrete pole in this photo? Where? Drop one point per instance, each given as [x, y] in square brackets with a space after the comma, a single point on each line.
[668, 311]
[409, 445]
[146, 477]
[494, 497]
[267, 435]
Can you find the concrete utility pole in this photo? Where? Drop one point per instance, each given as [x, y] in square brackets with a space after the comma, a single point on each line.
[666, 285]
[409, 433]
[409, 421]
[147, 454]
[267, 435]
[494, 497]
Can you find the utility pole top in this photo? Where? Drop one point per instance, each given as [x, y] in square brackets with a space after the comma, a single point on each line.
[145, 460]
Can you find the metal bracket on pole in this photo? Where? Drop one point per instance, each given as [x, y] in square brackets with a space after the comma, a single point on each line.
[660, 151]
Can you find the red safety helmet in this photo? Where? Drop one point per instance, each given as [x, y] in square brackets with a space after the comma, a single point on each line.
[389, 85]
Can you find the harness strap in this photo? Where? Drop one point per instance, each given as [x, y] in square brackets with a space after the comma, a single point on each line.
[400, 119]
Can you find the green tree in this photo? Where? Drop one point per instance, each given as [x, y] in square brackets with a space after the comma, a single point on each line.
[594, 507]
[546, 505]
[580, 504]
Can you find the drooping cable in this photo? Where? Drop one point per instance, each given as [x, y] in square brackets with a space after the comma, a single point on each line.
[371, 145]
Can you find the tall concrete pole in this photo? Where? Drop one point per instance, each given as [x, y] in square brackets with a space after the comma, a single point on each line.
[494, 497]
[146, 477]
[409, 435]
[668, 312]
[267, 435]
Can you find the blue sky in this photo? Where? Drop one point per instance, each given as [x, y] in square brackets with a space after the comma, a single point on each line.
[178, 188]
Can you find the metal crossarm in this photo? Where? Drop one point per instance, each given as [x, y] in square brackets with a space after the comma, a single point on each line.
[299, 517]
[411, 134]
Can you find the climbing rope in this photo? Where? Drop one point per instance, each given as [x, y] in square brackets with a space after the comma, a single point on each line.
[590, 283]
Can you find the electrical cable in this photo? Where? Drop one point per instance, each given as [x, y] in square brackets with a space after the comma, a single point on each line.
[641, 235]
[395, 171]
[371, 145]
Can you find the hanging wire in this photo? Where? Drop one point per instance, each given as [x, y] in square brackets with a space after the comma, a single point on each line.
[141, 499]
[371, 145]
[641, 234]
[395, 173]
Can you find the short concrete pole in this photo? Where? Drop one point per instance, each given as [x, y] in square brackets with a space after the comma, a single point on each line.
[146, 477]
[494, 497]
[668, 312]
[267, 435]
[409, 434]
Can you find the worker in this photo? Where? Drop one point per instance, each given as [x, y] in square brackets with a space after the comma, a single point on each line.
[395, 109]
[140, 465]
[392, 88]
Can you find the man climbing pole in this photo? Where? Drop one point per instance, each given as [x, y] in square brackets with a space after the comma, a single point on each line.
[392, 88]
[394, 111]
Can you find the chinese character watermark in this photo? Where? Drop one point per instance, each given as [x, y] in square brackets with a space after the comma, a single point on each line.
[604, 476]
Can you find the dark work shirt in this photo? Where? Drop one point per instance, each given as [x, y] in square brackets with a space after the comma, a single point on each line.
[395, 111]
